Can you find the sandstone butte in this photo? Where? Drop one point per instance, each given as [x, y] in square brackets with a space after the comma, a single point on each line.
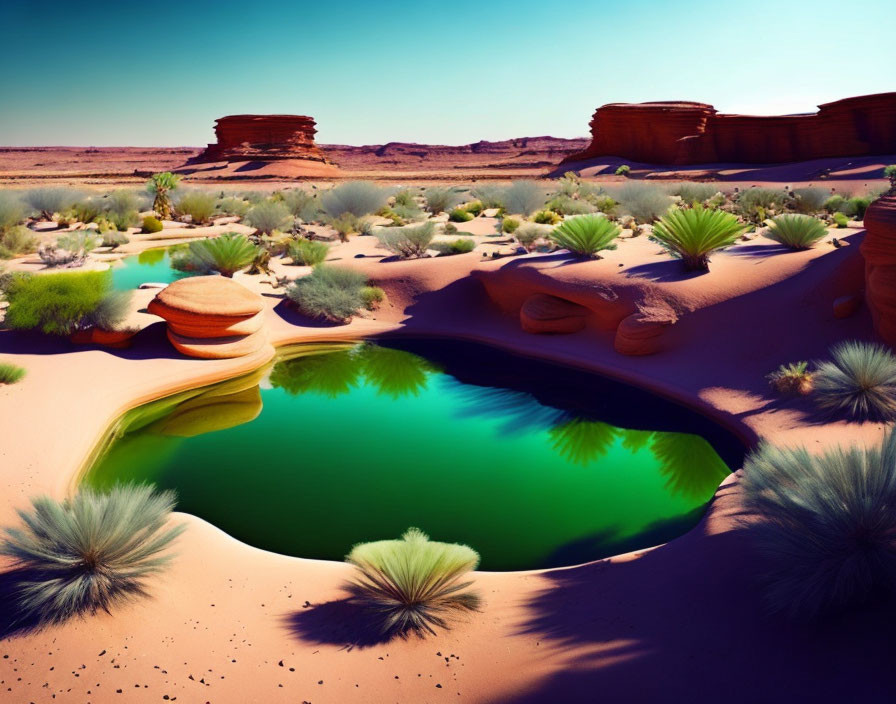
[684, 133]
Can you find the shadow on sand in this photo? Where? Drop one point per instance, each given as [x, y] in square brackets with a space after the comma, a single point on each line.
[343, 622]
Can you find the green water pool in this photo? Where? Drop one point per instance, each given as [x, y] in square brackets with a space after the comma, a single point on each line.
[530, 463]
[151, 265]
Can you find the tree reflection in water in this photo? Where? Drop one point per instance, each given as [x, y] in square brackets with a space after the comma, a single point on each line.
[583, 441]
[691, 466]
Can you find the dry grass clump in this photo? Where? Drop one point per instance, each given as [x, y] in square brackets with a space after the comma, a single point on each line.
[10, 373]
[413, 584]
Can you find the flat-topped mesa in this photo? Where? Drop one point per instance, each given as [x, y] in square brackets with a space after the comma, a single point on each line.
[682, 133]
[263, 138]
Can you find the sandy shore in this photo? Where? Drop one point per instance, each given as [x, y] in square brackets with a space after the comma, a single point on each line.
[681, 622]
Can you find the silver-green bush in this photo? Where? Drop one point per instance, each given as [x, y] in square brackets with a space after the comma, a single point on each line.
[357, 198]
[409, 241]
[859, 382]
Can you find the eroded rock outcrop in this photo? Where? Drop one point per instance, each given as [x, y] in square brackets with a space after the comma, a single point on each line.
[543, 313]
[681, 133]
[263, 137]
[211, 317]
[879, 251]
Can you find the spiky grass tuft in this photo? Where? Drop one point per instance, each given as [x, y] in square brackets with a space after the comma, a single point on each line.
[860, 381]
[586, 235]
[826, 525]
[90, 552]
[10, 373]
[413, 584]
[794, 378]
[695, 233]
[796, 231]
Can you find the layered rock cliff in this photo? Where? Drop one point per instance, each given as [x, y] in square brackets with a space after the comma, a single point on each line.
[263, 138]
[682, 133]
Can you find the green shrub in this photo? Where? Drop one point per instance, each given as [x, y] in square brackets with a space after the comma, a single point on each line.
[643, 201]
[372, 296]
[509, 225]
[357, 198]
[757, 204]
[406, 198]
[407, 242]
[413, 584]
[306, 252]
[564, 205]
[151, 224]
[528, 234]
[49, 201]
[691, 193]
[796, 231]
[199, 205]
[695, 233]
[60, 304]
[840, 219]
[301, 204]
[858, 205]
[604, 204]
[113, 239]
[10, 373]
[268, 216]
[490, 195]
[161, 185]
[809, 200]
[121, 202]
[345, 225]
[475, 207]
[890, 173]
[825, 525]
[623, 170]
[85, 211]
[12, 210]
[860, 382]
[459, 215]
[794, 378]
[546, 217]
[440, 199]
[586, 235]
[836, 204]
[329, 292]
[233, 205]
[18, 240]
[227, 254]
[90, 552]
[523, 197]
[462, 245]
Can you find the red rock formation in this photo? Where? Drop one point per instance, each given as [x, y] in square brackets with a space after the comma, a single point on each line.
[681, 133]
[263, 138]
[879, 250]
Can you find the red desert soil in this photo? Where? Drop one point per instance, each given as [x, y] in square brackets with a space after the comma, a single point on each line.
[681, 622]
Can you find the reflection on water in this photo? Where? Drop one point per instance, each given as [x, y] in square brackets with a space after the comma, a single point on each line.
[360, 440]
[151, 257]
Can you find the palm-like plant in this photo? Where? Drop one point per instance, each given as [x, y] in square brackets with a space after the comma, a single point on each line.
[586, 235]
[695, 233]
[161, 185]
[826, 524]
[89, 552]
[413, 584]
[226, 254]
[796, 231]
[860, 381]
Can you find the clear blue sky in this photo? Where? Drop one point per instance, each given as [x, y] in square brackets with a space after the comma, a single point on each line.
[159, 73]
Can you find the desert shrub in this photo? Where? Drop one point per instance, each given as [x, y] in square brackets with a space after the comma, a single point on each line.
[407, 242]
[546, 217]
[406, 198]
[357, 198]
[199, 205]
[70, 248]
[161, 185]
[693, 234]
[121, 201]
[528, 234]
[227, 254]
[643, 201]
[233, 205]
[860, 382]
[836, 204]
[794, 378]
[90, 552]
[122, 221]
[809, 200]
[509, 225]
[372, 296]
[10, 373]
[796, 231]
[48, 201]
[604, 203]
[113, 239]
[568, 184]
[440, 199]
[151, 224]
[825, 525]
[858, 205]
[267, 216]
[890, 173]
[756, 204]
[306, 252]
[475, 207]
[59, 304]
[623, 170]
[459, 215]
[565, 205]
[344, 225]
[490, 195]
[329, 292]
[691, 192]
[12, 210]
[586, 235]
[18, 240]
[86, 211]
[461, 245]
[840, 219]
[301, 204]
[407, 213]
[413, 584]
[523, 197]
